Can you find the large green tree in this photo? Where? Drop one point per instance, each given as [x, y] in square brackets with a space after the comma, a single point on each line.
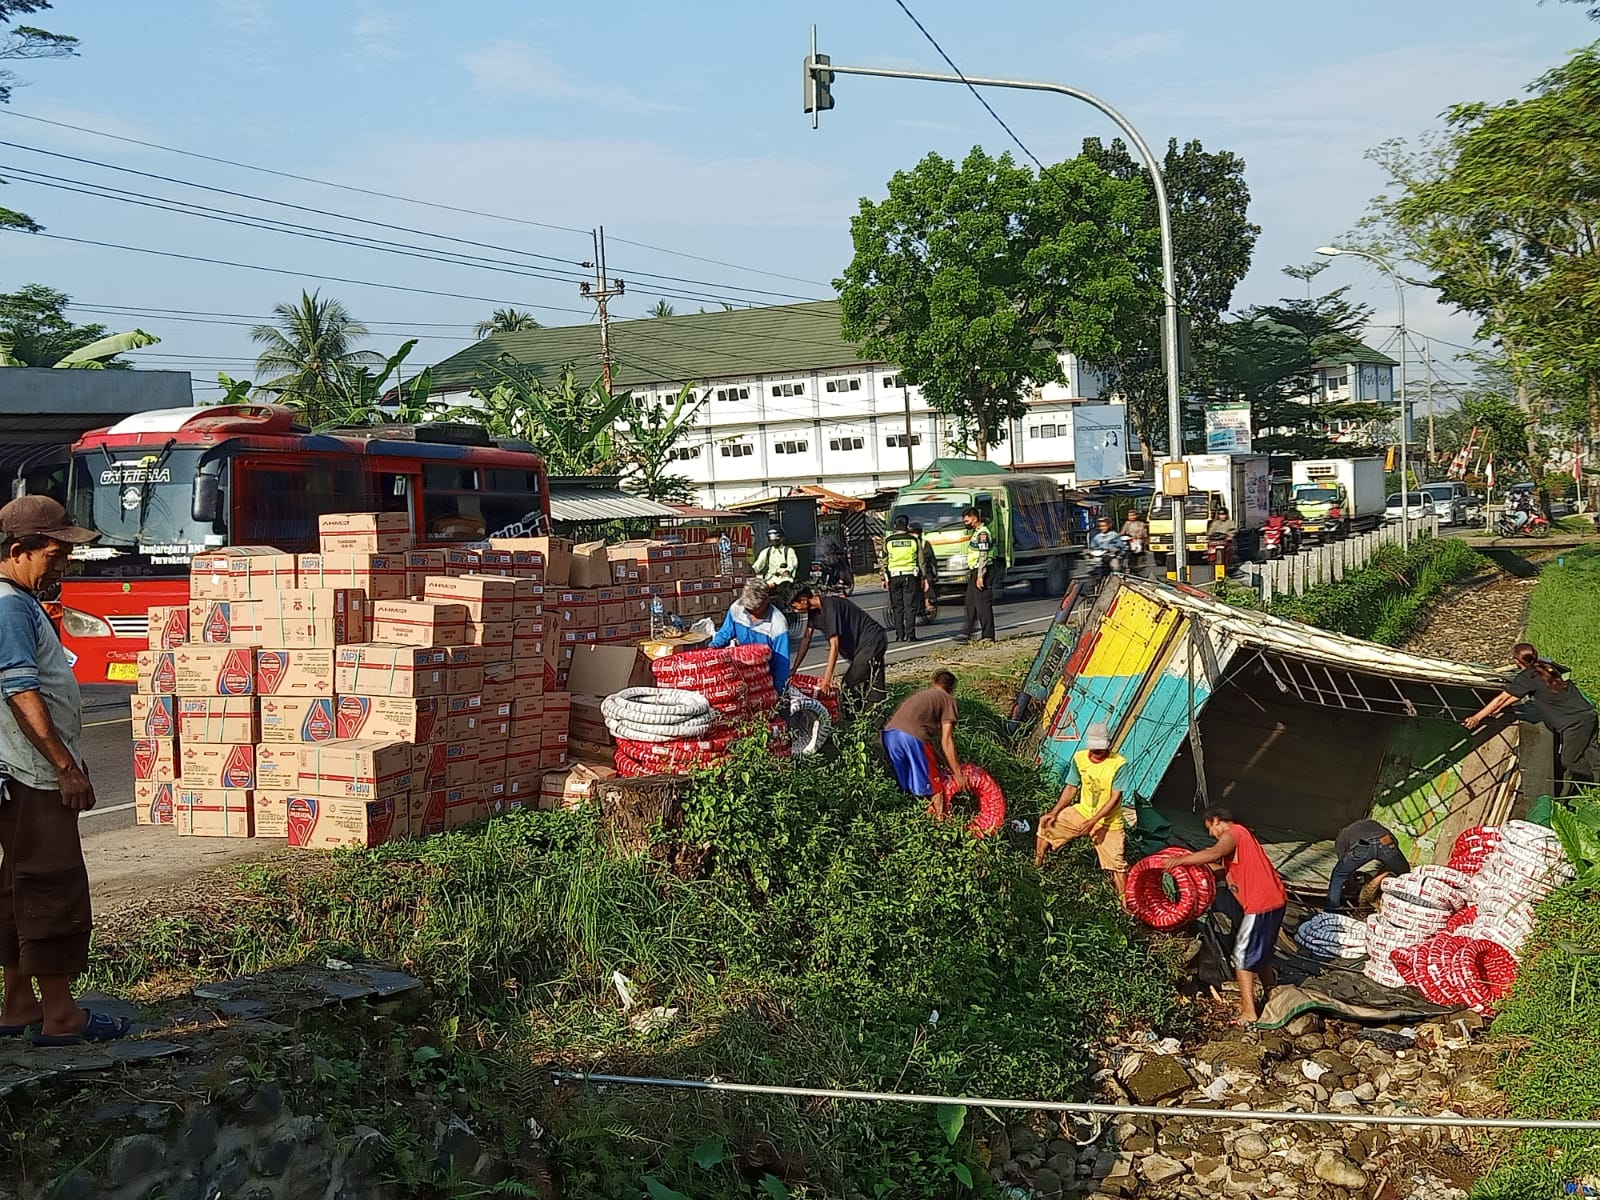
[506, 320]
[571, 422]
[36, 332]
[971, 278]
[1213, 240]
[655, 429]
[310, 356]
[20, 43]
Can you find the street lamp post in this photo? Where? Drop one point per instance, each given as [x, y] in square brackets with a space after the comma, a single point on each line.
[819, 72]
[1400, 302]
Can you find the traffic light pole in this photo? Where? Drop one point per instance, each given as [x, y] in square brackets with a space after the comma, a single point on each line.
[819, 72]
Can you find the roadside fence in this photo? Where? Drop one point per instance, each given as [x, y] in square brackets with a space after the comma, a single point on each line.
[1315, 565]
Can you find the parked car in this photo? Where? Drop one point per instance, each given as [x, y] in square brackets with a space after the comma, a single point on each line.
[1449, 501]
[1417, 506]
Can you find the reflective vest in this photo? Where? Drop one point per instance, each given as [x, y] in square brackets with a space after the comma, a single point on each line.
[901, 554]
[980, 548]
[1095, 781]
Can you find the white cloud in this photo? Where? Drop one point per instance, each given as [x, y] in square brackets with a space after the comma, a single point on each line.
[377, 34]
[519, 69]
[1150, 44]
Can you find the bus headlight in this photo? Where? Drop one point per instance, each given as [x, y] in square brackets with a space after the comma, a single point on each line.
[83, 625]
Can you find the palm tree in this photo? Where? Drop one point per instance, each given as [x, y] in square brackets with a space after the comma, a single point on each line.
[660, 309]
[506, 320]
[310, 356]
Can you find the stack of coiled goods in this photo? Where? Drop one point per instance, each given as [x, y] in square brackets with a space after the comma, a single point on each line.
[1168, 897]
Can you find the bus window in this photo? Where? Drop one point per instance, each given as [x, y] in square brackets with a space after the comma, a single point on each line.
[394, 493]
[278, 505]
[503, 509]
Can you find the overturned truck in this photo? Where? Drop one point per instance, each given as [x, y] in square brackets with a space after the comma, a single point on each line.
[1298, 730]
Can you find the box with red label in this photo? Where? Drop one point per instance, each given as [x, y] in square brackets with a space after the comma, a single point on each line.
[486, 597]
[278, 765]
[494, 729]
[157, 673]
[552, 758]
[521, 763]
[357, 768]
[323, 618]
[380, 576]
[530, 599]
[364, 533]
[371, 669]
[325, 822]
[298, 719]
[272, 812]
[419, 622]
[216, 765]
[463, 707]
[557, 709]
[495, 638]
[213, 812]
[525, 736]
[425, 815]
[500, 683]
[294, 672]
[573, 787]
[553, 556]
[466, 670]
[419, 565]
[152, 802]
[225, 720]
[522, 791]
[447, 764]
[153, 716]
[155, 759]
[214, 670]
[240, 573]
[390, 718]
[588, 724]
[224, 622]
[168, 626]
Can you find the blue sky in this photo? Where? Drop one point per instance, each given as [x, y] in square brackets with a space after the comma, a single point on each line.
[679, 126]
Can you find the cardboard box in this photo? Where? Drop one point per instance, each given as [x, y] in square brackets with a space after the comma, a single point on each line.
[240, 573]
[157, 672]
[380, 576]
[371, 669]
[556, 553]
[278, 765]
[364, 533]
[155, 759]
[324, 822]
[299, 719]
[522, 765]
[389, 718]
[599, 670]
[214, 670]
[204, 812]
[224, 622]
[419, 622]
[574, 786]
[300, 618]
[497, 638]
[154, 716]
[587, 722]
[447, 764]
[225, 720]
[214, 766]
[500, 684]
[272, 812]
[168, 626]
[465, 670]
[419, 565]
[152, 802]
[552, 758]
[357, 768]
[589, 567]
[485, 597]
[294, 672]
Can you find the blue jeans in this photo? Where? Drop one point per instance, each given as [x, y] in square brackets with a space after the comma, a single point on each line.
[1358, 856]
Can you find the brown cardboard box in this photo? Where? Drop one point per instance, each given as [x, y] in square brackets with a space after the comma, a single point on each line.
[364, 533]
[530, 599]
[299, 719]
[313, 617]
[552, 758]
[213, 670]
[357, 768]
[451, 764]
[153, 716]
[294, 672]
[325, 822]
[419, 565]
[272, 812]
[522, 791]
[224, 622]
[240, 573]
[152, 802]
[169, 626]
[556, 553]
[212, 766]
[525, 737]
[419, 622]
[487, 598]
[390, 718]
[466, 670]
[557, 709]
[371, 669]
[500, 683]
[590, 566]
[203, 812]
[225, 720]
[573, 787]
[604, 670]
[380, 576]
[278, 765]
[588, 723]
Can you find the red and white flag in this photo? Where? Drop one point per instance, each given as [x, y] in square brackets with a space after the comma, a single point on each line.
[1488, 471]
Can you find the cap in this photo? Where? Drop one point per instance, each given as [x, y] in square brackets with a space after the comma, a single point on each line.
[27, 515]
[1097, 737]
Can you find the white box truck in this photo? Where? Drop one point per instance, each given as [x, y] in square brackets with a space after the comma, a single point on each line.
[1338, 496]
[1240, 483]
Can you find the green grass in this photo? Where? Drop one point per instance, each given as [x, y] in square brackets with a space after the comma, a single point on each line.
[1564, 615]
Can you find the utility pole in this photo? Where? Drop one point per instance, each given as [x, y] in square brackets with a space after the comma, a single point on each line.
[600, 291]
[1427, 349]
[911, 462]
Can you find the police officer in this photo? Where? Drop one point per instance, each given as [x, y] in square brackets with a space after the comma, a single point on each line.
[902, 565]
[982, 576]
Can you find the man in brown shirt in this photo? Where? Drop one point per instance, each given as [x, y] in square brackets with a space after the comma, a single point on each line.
[923, 719]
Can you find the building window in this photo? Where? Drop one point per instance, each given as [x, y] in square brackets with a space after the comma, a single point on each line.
[797, 447]
[846, 443]
[737, 450]
[681, 453]
[733, 393]
[788, 389]
[899, 441]
[843, 385]
[891, 381]
[1047, 431]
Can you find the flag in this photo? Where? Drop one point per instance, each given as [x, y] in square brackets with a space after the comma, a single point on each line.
[1488, 472]
[1577, 465]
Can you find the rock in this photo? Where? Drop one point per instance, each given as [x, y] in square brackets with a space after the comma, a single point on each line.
[1308, 1043]
[199, 1136]
[155, 1118]
[1064, 1165]
[1046, 1184]
[274, 1157]
[309, 1181]
[1251, 1146]
[75, 1185]
[135, 1156]
[1343, 1099]
[1242, 1056]
[1365, 1092]
[1207, 1144]
[1159, 1076]
[1335, 1064]
[1060, 1146]
[456, 1143]
[1304, 1023]
[365, 1147]
[229, 1177]
[1138, 1143]
[1339, 1171]
[1209, 1170]
[1158, 1168]
[110, 1114]
[1023, 1139]
[1245, 1183]
[1473, 1089]
[261, 1105]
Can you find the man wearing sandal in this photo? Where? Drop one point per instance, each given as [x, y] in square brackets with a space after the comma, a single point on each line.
[44, 886]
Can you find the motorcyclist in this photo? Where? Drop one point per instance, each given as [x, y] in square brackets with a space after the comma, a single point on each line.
[777, 564]
[1219, 535]
[1108, 547]
[835, 564]
[1137, 532]
[1521, 509]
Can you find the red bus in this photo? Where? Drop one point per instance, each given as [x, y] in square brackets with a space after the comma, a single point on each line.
[162, 486]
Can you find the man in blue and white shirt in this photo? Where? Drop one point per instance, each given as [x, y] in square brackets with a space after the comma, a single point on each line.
[753, 620]
[45, 916]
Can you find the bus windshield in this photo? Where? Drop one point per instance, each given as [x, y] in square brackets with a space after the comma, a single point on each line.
[1316, 495]
[140, 501]
[932, 515]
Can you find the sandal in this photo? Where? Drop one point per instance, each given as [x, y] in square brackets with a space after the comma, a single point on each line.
[97, 1027]
[11, 1031]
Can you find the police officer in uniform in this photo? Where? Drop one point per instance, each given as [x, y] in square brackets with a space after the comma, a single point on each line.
[982, 576]
[902, 565]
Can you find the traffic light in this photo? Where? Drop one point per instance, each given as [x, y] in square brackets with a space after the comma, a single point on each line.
[818, 84]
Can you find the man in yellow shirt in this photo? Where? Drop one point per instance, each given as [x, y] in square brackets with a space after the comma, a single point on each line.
[1090, 806]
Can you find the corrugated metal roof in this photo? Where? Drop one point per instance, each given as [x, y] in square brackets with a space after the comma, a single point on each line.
[1357, 353]
[782, 339]
[602, 504]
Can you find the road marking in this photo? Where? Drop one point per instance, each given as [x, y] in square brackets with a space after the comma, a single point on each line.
[95, 812]
[112, 721]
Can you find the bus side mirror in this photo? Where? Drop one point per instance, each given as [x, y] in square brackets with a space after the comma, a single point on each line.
[205, 504]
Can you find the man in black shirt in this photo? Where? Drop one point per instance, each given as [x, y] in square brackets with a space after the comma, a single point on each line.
[1358, 844]
[851, 634]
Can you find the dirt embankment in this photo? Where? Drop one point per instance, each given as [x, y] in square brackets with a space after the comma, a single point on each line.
[1482, 618]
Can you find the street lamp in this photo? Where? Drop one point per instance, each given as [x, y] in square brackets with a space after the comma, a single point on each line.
[819, 73]
[1400, 301]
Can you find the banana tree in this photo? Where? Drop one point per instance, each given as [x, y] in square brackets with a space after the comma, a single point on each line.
[96, 356]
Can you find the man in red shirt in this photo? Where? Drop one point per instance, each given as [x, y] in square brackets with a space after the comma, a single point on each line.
[1258, 889]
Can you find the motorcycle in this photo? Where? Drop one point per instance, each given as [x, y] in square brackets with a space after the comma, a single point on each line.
[1537, 525]
[1102, 565]
[1274, 538]
[1218, 548]
[831, 577]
